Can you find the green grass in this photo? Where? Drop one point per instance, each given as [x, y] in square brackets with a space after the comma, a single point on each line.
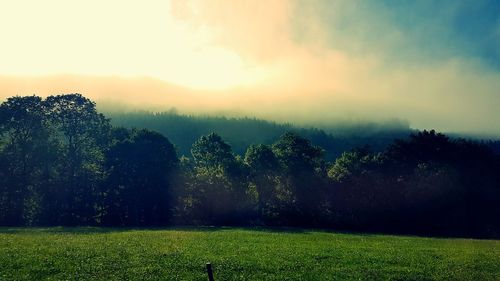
[239, 254]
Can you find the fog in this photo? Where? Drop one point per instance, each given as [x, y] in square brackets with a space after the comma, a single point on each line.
[305, 62]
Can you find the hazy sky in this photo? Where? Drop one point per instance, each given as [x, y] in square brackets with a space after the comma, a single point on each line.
[433, 63]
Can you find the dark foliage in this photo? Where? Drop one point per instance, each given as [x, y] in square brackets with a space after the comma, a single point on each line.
[62, 163]
[139, 166]
[184, 130]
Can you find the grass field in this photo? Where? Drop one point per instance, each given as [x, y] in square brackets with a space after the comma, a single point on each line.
[239, 254]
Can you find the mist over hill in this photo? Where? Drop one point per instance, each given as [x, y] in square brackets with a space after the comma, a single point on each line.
[64, 163]
[240, 132]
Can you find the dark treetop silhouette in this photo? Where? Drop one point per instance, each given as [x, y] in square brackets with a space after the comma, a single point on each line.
[63, 163]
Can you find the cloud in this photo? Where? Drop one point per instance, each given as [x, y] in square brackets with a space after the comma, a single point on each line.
[368, 59]
[252, 28]
[435, 64]
[406, 32]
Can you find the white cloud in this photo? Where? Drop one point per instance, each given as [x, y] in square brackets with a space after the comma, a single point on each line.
[261, 59]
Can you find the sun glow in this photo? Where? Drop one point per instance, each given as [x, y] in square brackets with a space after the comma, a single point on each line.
[125, 38]
[301, 60]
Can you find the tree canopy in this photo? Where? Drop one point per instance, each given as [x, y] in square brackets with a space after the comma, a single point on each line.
[63, 163]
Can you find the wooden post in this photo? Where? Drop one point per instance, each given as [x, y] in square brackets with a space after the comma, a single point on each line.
[209, 272]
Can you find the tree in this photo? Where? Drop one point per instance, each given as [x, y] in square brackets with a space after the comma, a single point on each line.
[362, 192]
[421, 147]
[22, 158]
[138, 188]
[301, 183]
[84, 136]
[349, 165]
[211, 151]
[218, 191]
[263, 171]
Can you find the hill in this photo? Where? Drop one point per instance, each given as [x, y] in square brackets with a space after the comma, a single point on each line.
[184, 130]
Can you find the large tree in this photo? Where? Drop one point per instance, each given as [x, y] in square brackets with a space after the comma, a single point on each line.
[23, 154]
[218, 190]
[301, 183]
[138, 188]
[84, 136]
[264, 170]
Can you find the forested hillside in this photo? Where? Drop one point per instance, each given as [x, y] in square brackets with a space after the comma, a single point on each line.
[184, 130]
[64, 163]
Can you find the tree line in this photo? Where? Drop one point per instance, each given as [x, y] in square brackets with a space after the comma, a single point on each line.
[184, 130]
[63, 163]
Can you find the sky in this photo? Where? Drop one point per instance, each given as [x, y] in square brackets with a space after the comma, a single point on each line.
[435, 64]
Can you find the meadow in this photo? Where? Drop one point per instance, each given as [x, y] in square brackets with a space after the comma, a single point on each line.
[239, 254]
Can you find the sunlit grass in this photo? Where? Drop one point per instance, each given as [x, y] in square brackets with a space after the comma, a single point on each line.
[239, 254]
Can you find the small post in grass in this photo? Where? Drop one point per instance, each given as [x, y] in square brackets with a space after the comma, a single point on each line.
[209, 272]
